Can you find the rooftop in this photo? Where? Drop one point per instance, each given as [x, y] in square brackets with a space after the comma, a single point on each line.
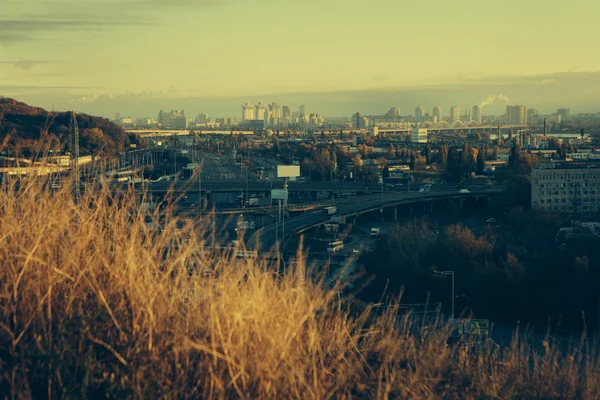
[584, 164]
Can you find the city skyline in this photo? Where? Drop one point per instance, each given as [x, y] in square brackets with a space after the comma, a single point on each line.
[83, 55]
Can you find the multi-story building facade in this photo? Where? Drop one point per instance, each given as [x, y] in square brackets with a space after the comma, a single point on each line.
[359, 121]
[393, 112]
[454, 113]
[173, 120]
[437, 114]
[565, 113]
[516, 115]
[419, 135]
[566, 187]
[477, 117]
[419, 114]
[247, 112]
[275, 114]
[261, 110]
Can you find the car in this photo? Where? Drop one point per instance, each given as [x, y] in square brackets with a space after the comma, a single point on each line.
[355, 251]
[464, 191]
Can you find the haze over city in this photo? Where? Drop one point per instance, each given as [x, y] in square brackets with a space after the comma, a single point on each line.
[310, 199]
[338, 57]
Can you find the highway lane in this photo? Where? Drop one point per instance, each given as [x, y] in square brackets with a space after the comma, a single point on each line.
[265, 239]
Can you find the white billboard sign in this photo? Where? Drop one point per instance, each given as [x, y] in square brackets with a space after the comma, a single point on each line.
[279, 194]
[288, 171]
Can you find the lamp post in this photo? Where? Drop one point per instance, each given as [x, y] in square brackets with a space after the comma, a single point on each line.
[382, 195]
[451, 273]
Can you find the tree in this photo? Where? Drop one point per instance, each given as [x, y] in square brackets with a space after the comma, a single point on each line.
[514, 158]
[443, 157]
[426, 152]
[480, 162]
[391, 152]
[495, 153]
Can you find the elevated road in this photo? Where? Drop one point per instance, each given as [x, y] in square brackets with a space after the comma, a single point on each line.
[265, 239]
[236, 185]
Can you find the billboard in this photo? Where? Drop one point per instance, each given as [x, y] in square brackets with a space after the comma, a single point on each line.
[288, 171]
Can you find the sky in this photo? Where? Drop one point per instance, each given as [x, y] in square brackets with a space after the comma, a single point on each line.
[337, 56]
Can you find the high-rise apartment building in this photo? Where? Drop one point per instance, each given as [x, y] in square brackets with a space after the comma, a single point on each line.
[454, 113]
[566, 187]
[247, 112]
[516, 115]
[261, 109]
[275, 114]
[302, 110]
[394, 112]
[477, 117]
[202, 119]
[419, 114]
[437, 114]
[359, 121]
[286, 112]
[173, 120]
[565, 113]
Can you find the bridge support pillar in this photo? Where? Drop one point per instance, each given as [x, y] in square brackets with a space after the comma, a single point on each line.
[410, 210]
[395, 213]
[331, 195]
[460, 204]
[313, 195]
[431, 208]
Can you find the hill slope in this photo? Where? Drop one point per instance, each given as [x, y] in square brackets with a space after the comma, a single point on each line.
[32, 129]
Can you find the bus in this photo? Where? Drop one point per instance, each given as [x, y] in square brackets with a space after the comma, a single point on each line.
[335, 246]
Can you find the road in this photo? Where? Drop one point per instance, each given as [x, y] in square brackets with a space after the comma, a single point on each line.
[266, 238]
[217, 172]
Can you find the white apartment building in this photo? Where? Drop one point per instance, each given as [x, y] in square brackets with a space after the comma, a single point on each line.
[418, 135]
[566, 187]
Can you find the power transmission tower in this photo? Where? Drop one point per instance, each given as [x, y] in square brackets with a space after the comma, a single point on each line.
[74, 148]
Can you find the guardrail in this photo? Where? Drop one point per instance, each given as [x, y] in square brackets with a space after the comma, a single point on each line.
[297, 207]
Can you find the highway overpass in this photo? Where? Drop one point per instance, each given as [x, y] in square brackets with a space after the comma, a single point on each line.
[192, 185]
[265, 239]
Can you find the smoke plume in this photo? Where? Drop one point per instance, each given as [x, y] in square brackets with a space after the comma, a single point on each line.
[492, 98]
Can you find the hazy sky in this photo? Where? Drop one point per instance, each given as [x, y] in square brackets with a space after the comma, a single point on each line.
[80, 53]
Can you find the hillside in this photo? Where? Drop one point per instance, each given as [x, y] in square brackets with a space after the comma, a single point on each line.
[25, 124]
[106, 309]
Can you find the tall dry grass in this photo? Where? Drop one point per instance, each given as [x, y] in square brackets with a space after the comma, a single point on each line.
[93, 304]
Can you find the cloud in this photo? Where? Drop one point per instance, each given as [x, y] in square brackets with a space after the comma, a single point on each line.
[40, 88]
[62, 17]
[185, 3]
[27, 64]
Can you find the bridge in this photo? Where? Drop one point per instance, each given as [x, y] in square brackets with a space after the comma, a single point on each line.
[454, 126]
[149, 133]
[191, 186]
[265, 239]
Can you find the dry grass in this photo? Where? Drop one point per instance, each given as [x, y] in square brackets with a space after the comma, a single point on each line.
[93, 305]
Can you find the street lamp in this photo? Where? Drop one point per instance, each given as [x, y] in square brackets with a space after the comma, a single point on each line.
[451, 273]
